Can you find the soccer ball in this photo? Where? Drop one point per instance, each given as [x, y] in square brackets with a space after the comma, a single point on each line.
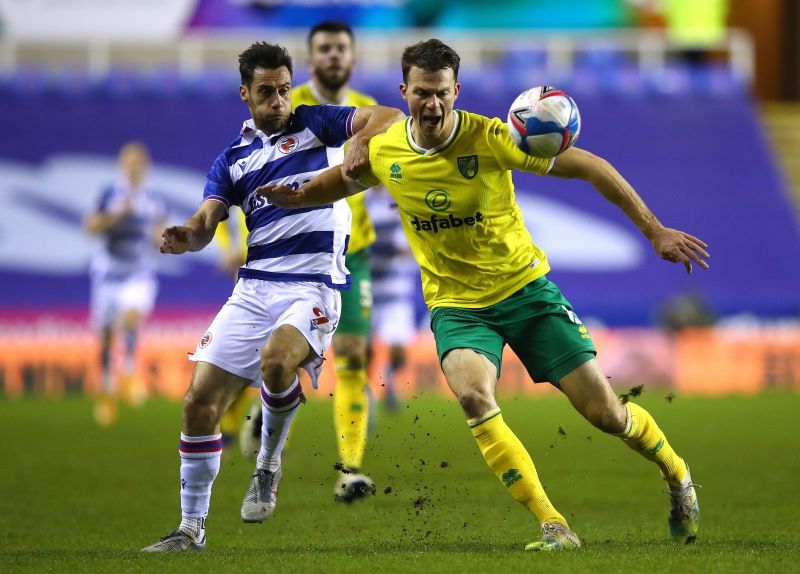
[544, 121]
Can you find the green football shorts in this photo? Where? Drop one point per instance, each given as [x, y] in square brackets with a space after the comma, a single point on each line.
[537, 322]
[357, 301]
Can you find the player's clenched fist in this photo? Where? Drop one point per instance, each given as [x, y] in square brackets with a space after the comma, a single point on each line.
[176, 239]
[356, 160]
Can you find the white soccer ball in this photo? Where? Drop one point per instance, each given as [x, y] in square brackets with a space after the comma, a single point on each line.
[544, 121]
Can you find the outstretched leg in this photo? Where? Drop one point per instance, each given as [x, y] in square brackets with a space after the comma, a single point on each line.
[590, 393]
[210, 394]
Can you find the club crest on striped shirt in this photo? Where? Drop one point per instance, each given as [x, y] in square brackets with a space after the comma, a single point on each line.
[287, 144]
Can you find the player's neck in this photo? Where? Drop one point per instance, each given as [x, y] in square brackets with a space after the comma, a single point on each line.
[328, 96]
[429, 143]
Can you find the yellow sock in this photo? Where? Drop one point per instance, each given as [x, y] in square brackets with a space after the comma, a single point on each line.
[643, 435]
[350, 415]
[507, 457]
[233, 419]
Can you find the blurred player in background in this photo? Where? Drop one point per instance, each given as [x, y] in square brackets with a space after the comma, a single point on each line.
[395, 283]
[128, 218]
[484, 280]
[286, 304]
[331, 60]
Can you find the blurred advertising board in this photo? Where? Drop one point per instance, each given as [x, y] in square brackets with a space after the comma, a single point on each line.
[55, 361]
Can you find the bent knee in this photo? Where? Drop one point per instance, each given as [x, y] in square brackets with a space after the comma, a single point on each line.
[475, 402]
[200, 411]
[351, 352]
[278, 372]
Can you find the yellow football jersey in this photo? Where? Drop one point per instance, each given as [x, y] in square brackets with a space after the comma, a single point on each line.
[362, 233]
[458, 209]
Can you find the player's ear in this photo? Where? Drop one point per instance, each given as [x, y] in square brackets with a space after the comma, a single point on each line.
[456, 91]
[243, 92]
[403, 91]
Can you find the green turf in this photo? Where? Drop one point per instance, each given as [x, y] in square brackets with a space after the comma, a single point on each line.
[83, 499]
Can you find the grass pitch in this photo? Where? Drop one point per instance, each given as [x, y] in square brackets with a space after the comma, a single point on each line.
[83, 499]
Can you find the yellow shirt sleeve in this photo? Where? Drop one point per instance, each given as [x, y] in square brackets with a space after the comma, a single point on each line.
[368, 178]
[508, 155]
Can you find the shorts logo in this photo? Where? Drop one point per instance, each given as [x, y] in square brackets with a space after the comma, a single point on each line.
[206, 340]
[287, 144]
[396, 171]
[319, 319]
[572, 316]
[437, 200]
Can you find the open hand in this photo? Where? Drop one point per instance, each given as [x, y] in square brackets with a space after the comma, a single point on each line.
[176, 240]
[679, 247]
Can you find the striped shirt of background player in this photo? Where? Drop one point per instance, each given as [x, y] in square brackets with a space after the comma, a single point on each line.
[395, 273]
[128, 247]
[305, 244]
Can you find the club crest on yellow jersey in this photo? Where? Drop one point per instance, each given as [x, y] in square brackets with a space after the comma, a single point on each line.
[468, 166]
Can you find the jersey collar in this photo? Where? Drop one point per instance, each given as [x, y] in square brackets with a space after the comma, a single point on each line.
[441, 146]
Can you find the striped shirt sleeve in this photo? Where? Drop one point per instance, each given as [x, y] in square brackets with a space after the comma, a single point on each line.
[219, 186]
[333, 125]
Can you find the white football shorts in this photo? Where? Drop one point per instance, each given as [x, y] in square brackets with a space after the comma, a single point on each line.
[112, 299]
[254, 310]
[394, 321]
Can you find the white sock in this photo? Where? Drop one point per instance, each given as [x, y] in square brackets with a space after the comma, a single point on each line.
[278, 410]
[194, 527]
[200, 459]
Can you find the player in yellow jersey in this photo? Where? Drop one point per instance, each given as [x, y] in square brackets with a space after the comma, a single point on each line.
[331, 60]
[484, 279]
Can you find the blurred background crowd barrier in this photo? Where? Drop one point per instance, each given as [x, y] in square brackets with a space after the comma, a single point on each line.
[694, 101]
[699, 361]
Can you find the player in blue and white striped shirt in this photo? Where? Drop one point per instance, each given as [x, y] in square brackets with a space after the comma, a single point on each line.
[285, 306]
[128, 218]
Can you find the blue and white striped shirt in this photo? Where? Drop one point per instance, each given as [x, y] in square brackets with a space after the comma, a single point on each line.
[129, 247]
[305, 244]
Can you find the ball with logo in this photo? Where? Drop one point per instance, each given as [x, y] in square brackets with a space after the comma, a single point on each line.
[544, 121]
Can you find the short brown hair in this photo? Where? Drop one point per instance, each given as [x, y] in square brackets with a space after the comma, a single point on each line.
[262, 55]
[430, 55]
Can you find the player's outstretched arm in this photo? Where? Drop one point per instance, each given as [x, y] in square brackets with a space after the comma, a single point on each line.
[329, 186]
[670, 244]
[196, 233]
[369, 121]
